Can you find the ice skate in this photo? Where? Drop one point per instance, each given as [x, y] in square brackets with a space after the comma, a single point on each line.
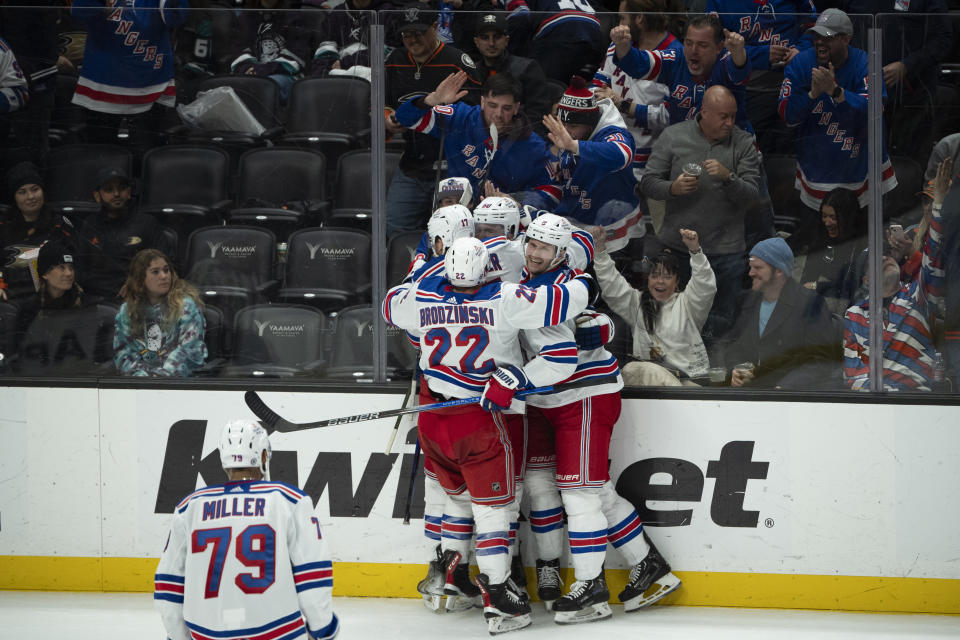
[549, 586]
[503, 608]
[586, 602]
[431, 587]
[460, 591]
[519, 576]
[649, 581]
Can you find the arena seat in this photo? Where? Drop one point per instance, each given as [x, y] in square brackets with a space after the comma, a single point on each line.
[400, 251]
[281, 189]
[352, 200]
[186, 186]
[71, 175]
[327, 267]
[232, 266]
[75, 342]
[330, 114]
[351, 356]
[258, 94]
[278, 340]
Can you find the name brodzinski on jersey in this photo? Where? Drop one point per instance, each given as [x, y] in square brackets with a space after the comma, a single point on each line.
[332, 473]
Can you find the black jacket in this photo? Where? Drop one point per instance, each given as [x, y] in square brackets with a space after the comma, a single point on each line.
[109, 244]
[406, 79]
[800, 332]
[17, 236]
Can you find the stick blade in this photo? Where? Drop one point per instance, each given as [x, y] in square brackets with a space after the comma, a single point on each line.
[270, 420]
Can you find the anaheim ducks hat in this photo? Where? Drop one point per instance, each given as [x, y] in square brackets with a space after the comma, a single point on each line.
[413, 18]
[491, 22]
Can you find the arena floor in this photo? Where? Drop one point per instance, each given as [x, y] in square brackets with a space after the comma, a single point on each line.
[89, 616]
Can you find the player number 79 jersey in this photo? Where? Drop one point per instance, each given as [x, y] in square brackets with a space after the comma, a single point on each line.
[246, 560]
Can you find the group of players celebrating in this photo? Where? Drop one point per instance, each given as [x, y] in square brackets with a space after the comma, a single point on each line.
[496, 309]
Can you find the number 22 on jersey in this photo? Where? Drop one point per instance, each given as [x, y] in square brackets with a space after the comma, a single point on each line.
[473, 338]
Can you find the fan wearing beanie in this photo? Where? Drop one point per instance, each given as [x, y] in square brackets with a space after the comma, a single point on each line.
[593, 183]
[25, 229]
[783, 329]
[58, 291]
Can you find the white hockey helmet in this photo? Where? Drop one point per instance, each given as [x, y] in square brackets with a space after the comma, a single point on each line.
[499, 210]
[450, 223]
[551, 229]
[242, 444]
[465, 262]
[458, 188]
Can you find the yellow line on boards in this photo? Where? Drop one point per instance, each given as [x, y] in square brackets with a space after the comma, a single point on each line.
[755, 590]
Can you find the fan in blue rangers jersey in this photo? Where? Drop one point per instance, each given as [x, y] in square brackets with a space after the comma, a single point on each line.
[515, 161]
[581, 421]
[273, 579]
[127, 60]
[593, 182]
[824, 94]
[690, 70]
[640, 101]
[772, 29]
[567, 35]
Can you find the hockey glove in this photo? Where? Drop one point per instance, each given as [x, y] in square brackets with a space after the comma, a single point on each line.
[593, 330]
[527, 214]
[501, 386]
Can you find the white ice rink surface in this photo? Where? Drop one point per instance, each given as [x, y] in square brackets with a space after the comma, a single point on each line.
[84, 616]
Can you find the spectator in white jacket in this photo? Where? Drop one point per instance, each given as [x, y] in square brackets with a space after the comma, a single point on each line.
[666, 321]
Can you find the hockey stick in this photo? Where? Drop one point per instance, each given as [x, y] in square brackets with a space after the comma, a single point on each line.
[407, 399]
[436, 177]
[414, 470]
[275, 422]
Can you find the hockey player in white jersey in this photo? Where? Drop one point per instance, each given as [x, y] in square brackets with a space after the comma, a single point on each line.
[468, 334]
[582, 421]
[442, 590]
[497, 222]
[246, 560]
[445, 225]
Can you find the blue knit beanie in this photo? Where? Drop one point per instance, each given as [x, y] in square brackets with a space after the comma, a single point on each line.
[776, 253]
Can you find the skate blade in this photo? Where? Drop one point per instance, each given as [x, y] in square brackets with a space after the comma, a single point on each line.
[433, 602]
[547, 604]
[503, 624]
[456, 604]
[593, 613]
[657, 590]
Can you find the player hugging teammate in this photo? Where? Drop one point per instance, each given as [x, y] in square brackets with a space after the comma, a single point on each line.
[482, 334]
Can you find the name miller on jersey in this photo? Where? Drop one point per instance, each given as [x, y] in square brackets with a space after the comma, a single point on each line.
[221, 508]
[459, 314]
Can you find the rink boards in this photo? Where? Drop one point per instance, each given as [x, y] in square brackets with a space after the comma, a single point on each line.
[757, 504]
